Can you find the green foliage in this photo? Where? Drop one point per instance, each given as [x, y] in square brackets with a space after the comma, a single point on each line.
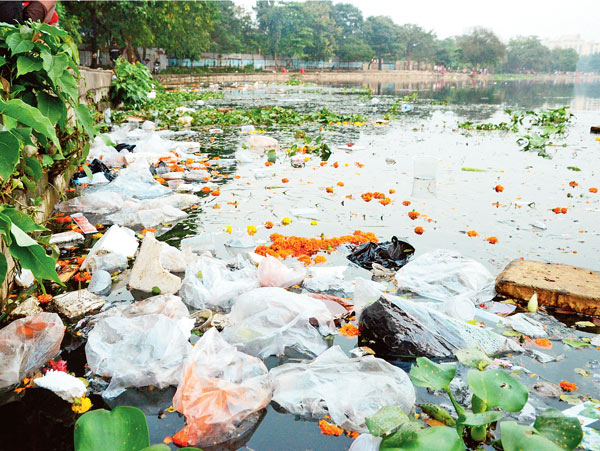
[481, 48]
[132, 84]
[439, 438]
[498, 389]
[385, 421]
[122, 429]
[432, 375]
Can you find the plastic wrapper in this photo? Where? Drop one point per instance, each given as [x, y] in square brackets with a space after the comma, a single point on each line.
[365, 442]
[137, 352]
[96, 166]
[27, 344]
[347, 389]
[116, 240]
[266, 321]
[326, 278]
[396, 328]
[101, 203]
[273, 273]
[366, 292]
[64, 385]
[390, 254]
[135, 181]
[443, 274]
[209, 283]
[219, 388]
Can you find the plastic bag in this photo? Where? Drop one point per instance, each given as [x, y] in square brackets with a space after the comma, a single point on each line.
[265, 321]
[137, 352]
[95, 167]
[64, 385]
[347, 389]
[396, 328]
[366, 292]
[220, 387]
[209, 283]
[135, 181]
[28, 343]
[442, 274]
[326, 278]
[116, 240]
[100, 203]
[390, 254]
[273, 273]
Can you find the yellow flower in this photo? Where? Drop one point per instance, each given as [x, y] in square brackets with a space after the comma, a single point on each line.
[228, 229]
[313, 223]
[251, 230]
[286, 221]
[81, 405]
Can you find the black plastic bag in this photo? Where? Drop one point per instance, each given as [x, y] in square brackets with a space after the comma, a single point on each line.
[390, 254]
[95, 167]
[127, 147]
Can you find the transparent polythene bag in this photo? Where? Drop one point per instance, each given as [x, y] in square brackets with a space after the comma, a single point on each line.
[442, 274]
[347, 389]
[220, 387]
[265, 321]
[27, 344]
[137, 352]
[273, 273]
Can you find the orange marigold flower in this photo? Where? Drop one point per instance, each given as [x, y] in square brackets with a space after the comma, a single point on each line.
[336, 165]
[543, 343]
[268, 163]
[413, 214]
[285, 180]
[563, 211]
[319, 259]
[573, 183]
[385, 201]
[82, 276]
[63, 219]
[340, 183]
[144, 231]
[406, 203]
[323, 163]
[367, 197]
[472, 233]
[392, 190]
[215, 193]
[492, 240]
[348, 330]
[419, 230]
[268, 225]
[360, 165]
[377, 195]
[568, 386]
[557, 210]
[330, 429]
[329, 189]
[499, 188]
[44, 298]
[206, 189]
[593, 190]
[305, 259]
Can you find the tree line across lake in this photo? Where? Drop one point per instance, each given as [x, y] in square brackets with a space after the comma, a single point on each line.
[312, 30]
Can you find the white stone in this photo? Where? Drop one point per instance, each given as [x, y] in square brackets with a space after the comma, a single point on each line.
[62, 384]
[25, 278]
[147, 271]
[260, 143]
[100, 283]
[77, 303]
[66, 237]
[27, 308]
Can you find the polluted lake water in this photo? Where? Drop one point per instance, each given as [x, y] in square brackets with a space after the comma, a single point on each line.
[237, 212]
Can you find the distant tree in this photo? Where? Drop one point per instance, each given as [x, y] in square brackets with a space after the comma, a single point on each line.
[447, 53]
[233, 31]
[354, 48]
[527, 54]
[320, 19]
[589, 63]
[348, 19]
[416, 43]
[481, 48]
[382, 35]
[563, 60]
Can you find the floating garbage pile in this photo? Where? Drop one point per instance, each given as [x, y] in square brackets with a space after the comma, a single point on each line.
[321, 327]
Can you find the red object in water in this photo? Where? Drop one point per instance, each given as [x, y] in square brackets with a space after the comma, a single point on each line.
[302, 71]
[283, 71]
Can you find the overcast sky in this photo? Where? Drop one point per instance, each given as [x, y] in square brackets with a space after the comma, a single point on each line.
[508, 18]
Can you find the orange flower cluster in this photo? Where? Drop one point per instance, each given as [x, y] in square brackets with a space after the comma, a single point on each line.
[319, 259]
[348, 330]
[330, 429]
[385, 201]
[543, 343]
[268, 225]
[367, 197]
[62, 219]
[559, 210]
[593, 190]
[329, 189]
[406, 203]
[336, 165]
[472, 233]
[499, 188]
[573, 183]
[413, 214]
[303, 248]
[44, 298]
[492, 240]
[568, 386]
[419, 230]
[82, 277]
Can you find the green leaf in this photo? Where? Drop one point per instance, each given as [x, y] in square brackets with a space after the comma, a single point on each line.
[438, 413]
[570, 399]
[5, 226]
[52, 107]
[88, 172]
[85, 119]
[498, 389]
[473, 357]
[439, 438]
[23, 221]
[33, 168]
[3, 268]
[30, 116]
[562, 430]
[405, 434]
[68, 84]
[9, 153]
[157, 447]
[385, 420]
[516, 437]
[106, 139]
[55, 65]
[511, 333]
[35, 259]
[17, 44]
[432, 375]
[47, 160]
[481, 419]
[26, 64]
[122, 429]
[21, 238]
[2, 61]
[575, 343]
[573, 168]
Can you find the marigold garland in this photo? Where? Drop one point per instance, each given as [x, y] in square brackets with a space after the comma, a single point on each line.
[330, 429]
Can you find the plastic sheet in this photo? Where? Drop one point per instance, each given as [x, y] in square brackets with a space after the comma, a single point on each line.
[273, 273]
[101, 203]
[347, 389]
[326, 278]
[28, 343]
[64, 385]
[266, 321]
[135, 181]
[137, 352]
[366, 292]
[395, 328]
[116, 240]
[442, 274]
[220, 387]
[390, 254]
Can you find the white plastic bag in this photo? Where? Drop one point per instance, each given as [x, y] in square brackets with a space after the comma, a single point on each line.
[28, 343]
[347, 389]
[64, 385]
[273, 273]
[326, 278]
[137, 352]
[209, 283]
[365, 293]
[220, 387]
[265, 321]
[442, 274]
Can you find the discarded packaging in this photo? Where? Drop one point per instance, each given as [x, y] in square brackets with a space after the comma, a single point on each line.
[75, 304]
[366, 292]
[64, 385]
[100, 283]
[220, 387]
[83, 223]
[347, 389]
[147, 273]
[117, 240]
[69, 237]
[28, 343]
[273, 273]
[260, 143]
[390, 254]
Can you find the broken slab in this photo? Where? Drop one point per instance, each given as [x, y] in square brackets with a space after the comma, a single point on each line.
[147, 271]
[77, 303]
[557, 285]
[29, 307]
[66, 238]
